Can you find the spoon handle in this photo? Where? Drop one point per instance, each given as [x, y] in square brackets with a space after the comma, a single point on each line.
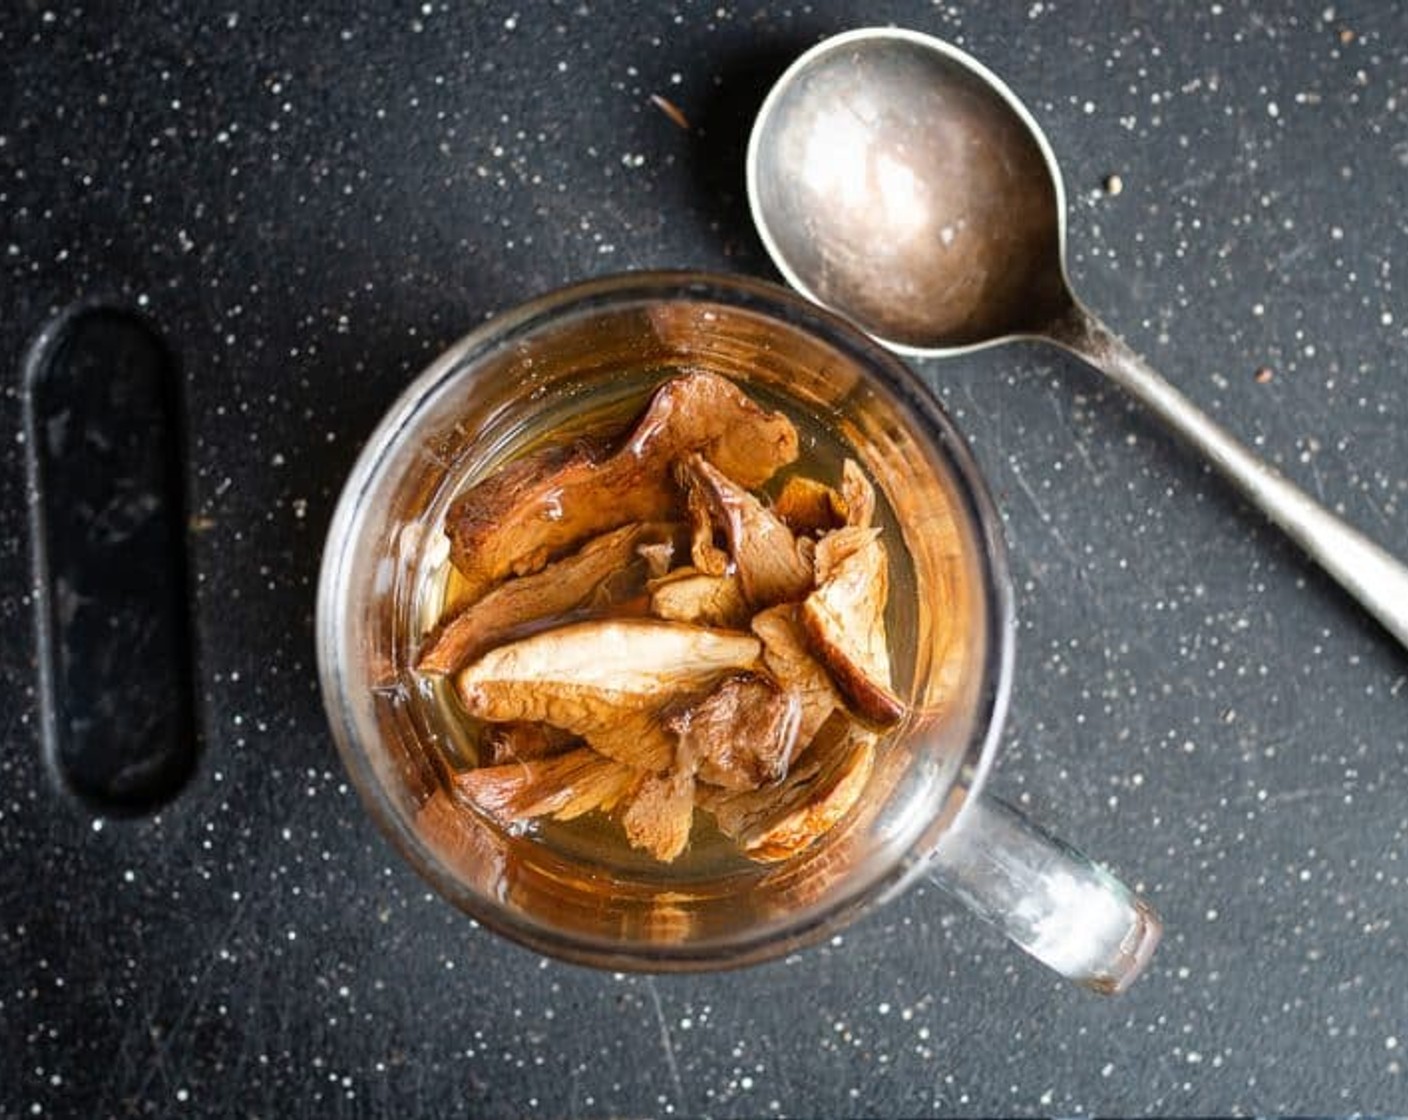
[1366, 571]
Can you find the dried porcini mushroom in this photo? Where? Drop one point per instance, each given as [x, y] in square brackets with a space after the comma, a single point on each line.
[604, 680]
[564, 786]
[764, 551]
[524, 742]
[617, 672]
[688, 595]
[558, 589]
[779, 821]
[857, 496]
[522, 516]
[660, 813]
[708, 557]
[812, 509]
[742, 735]
[844, 620]
[790, 663]
[534, 509]
[809, 507]
[709, 415]
[657, 557]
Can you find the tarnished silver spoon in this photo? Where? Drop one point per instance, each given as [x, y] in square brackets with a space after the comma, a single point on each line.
[896, 180]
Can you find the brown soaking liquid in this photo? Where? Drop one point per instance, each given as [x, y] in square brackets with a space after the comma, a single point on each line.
[598, 838]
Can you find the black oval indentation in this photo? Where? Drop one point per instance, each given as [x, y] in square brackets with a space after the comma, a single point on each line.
[105, 453]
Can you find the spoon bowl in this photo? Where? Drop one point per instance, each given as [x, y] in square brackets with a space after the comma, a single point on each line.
[896, 180]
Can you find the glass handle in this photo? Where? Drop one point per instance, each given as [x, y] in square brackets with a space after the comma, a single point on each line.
[1067, 912]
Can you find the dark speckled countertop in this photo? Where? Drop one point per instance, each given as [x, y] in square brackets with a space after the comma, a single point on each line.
[309, 201]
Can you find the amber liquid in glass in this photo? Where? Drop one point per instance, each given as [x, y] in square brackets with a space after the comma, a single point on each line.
[607, 410]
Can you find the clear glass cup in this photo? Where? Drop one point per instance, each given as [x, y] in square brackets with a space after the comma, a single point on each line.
[951, 614]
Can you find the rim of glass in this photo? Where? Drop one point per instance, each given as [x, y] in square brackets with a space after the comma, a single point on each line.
[928, 415]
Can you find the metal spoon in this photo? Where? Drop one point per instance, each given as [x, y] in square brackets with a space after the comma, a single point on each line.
[899, 182]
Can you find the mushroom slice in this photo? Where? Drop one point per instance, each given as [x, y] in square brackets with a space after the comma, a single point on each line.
[809, 507]
[532, 510]
[689, 595]
[779, 821]
[638, 739]
[790, 663]
[520, 517]
[524, 742]
[844, 619]
[765, 554]
[658, 556]
[561, 587]
[742, 735]
[563, 787]
[708, 557]
[660, 814]
[709, 414]
[604, 680]
[857, 496]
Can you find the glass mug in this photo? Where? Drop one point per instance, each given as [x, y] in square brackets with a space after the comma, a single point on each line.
[951, 609]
